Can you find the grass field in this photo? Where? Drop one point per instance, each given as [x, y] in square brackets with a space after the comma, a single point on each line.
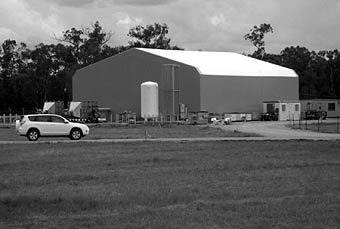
[283, 184]
[139, 131]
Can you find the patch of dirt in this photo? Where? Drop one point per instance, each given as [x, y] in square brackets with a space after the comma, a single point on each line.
[278, 129]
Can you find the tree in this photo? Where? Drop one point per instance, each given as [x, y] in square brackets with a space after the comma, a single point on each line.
[256, 37]
[47, 71]
[10, 58]
[272, 58]
[151, 36]
[331, 61]
[319, 72]
[87, 44]
[93, 44]
[13, 62]
[299, 59]
[42, 67]
[28, 78]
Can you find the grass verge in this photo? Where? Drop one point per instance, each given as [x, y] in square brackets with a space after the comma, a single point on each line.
[140, 131]
[265, 184]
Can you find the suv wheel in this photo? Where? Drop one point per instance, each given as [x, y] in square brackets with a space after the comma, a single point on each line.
[33, 134]
[76, 134]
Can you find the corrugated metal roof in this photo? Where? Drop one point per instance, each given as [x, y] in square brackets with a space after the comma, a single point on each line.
[223, 63]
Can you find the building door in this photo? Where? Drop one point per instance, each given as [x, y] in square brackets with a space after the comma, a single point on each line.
[270, 108]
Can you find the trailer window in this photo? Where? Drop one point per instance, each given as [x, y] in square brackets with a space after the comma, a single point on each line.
[283, 107]
[297, 107]
[331, 106]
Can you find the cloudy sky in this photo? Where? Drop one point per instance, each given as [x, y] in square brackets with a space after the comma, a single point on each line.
[210, 25]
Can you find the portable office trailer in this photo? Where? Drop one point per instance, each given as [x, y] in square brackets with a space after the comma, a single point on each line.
[284, 110]
[330, 106]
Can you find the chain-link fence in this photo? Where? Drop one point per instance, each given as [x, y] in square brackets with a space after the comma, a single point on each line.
[329, 125]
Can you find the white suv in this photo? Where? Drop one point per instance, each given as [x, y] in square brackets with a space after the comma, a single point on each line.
[34, 126]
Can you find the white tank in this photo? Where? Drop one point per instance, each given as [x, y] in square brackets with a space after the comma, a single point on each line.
[149, 100]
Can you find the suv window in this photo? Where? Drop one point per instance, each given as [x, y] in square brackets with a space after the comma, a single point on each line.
[43, 119]
[57, 119]
[32, 118]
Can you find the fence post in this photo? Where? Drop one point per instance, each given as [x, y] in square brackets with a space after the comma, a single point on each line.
[318, 125]
[10, 118]
[300, 121]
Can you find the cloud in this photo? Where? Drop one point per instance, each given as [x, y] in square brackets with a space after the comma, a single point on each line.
[31, 27]
[71, 3]
[144, 2]
[217, 25]
[213, 26]
[123, 19]
[86, 3]
[6, 33]
[312, 24]
[217, 19]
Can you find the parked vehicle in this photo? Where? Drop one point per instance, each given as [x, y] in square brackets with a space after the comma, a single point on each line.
[49, 125]
[269, 116]
[315, 115]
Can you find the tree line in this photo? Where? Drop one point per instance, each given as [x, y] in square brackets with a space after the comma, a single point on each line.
[29, 77]
[319, 72]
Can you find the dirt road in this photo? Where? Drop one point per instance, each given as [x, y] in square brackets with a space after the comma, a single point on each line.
[265, 130]
[278, 130]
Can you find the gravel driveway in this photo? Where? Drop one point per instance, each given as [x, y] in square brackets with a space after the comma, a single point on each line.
[278, 129]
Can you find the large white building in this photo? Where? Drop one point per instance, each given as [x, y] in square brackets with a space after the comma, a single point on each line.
[217, 82]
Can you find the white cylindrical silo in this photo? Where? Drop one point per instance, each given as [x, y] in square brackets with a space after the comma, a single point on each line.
[149, 100]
